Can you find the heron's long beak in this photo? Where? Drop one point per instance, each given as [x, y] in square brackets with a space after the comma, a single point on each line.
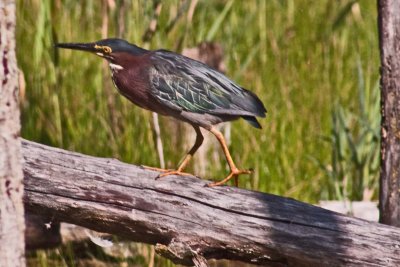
[89, 47]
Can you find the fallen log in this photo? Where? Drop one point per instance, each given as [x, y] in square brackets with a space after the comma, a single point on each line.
[189, 223]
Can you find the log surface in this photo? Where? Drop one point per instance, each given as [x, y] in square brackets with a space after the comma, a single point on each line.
[189, 222]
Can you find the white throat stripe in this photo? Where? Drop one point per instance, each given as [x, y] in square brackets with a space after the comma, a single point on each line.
[116, 67]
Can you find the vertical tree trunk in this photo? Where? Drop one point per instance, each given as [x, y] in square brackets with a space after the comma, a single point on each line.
[11, 189]
[389, 42]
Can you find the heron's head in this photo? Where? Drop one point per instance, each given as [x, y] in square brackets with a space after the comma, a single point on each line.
[106, 48]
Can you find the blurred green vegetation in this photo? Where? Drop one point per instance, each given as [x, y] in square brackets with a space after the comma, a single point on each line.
[355, 141]
[300, 57]
[315, 65]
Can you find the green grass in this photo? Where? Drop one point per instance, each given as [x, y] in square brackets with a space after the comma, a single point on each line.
[354, 141]
[298, 56]
[301, 57]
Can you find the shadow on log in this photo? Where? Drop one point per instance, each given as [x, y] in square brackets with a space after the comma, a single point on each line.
[189, 223]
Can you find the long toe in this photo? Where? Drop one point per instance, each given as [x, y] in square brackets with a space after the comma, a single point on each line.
[155, 169]
[234, 174]
[172, 172]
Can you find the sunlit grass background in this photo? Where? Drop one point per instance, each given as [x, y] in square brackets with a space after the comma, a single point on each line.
[314, 64]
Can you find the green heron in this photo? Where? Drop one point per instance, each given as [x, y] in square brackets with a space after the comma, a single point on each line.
[174, 85]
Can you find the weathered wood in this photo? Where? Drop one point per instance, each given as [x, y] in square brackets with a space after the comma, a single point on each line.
[11, 188]
[188, 220]
[389, 42]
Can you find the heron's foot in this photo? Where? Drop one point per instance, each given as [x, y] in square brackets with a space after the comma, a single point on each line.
[166, 172]
[172, 172]
[155, 169]
[234, 174]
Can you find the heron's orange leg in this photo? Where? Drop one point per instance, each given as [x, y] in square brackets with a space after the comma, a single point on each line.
[235, 172]
[188, 157]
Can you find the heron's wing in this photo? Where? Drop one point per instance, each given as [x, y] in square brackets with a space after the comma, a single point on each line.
[185, 94]
[185, 84]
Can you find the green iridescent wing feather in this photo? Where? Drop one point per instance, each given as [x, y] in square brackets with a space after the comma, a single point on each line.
[186, 94]
[185, 84]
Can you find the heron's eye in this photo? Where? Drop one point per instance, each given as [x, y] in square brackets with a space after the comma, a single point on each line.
[107, 49]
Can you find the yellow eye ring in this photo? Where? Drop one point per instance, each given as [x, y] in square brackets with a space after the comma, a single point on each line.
[107, 49]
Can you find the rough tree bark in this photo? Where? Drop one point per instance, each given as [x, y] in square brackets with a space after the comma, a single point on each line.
[190, 223]
[389, 42]
[11, 189]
